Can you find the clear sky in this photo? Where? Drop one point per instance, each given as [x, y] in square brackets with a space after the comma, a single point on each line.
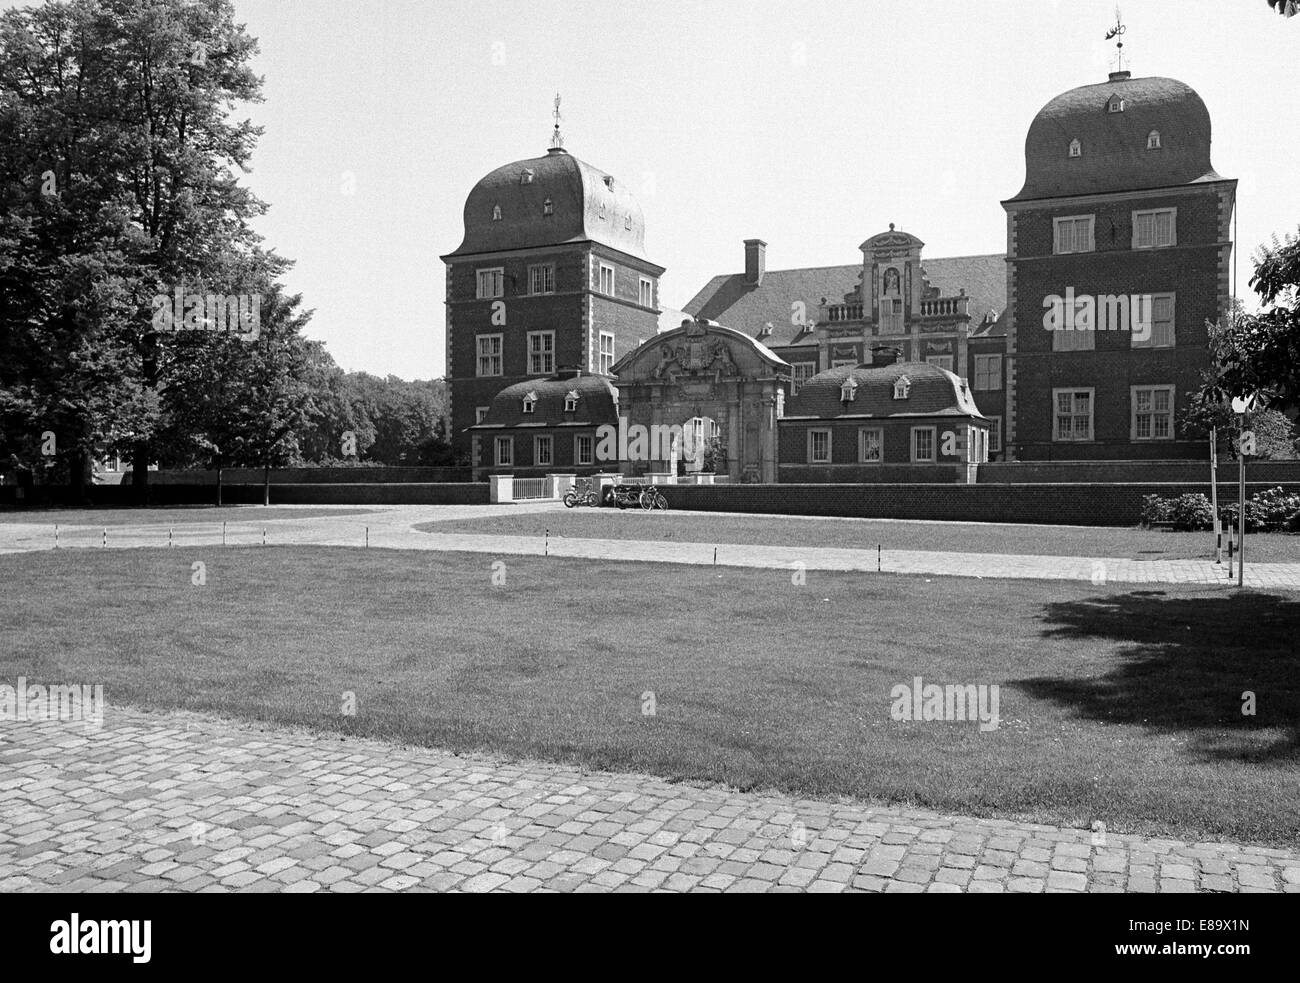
[812, 125]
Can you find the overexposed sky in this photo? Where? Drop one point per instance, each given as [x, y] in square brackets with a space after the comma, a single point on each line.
[812, 125]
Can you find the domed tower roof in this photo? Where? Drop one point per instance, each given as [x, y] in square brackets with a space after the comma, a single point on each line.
[550, 200]
[1114, 123]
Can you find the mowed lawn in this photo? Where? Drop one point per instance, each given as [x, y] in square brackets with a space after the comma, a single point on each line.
[700, 527]
[175, 514]
[1117, 705]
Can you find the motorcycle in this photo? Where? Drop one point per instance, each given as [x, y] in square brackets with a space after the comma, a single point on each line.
[582, 495]
[625, 496]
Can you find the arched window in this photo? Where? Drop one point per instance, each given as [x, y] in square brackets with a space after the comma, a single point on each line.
[902, 387]
[1076, 148]
[849, 390]
[571, 401]
[527, 176]
[496, 213]
[530, 402]
[548, 207]
[1153, 140]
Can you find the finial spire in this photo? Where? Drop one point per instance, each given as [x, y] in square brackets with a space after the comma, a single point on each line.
[557, 141]
[1118, 31]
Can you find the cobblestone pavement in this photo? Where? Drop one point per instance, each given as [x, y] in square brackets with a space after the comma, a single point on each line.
[392, 527]
[157, 802]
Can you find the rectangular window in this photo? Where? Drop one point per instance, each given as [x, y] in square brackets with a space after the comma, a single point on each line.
[922, 444]
[995, 434]
[584, 449]
[1074, 341]
[891, 316]
[505, 451]
[606, 280]
[541, 352]
[541, 279]
[1152, 413]
[1074, 234]
[1155, 229]
[943, 361]
[1157, 312]
[988, 372]
[491, 283]
[489, 354]
[1073, 414]
[819, 447]
[480, 413]
[871, 445]
[803, 371]
[543, 447]
[647, 293]
[606, 353]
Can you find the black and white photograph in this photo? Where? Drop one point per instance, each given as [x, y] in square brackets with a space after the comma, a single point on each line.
[457, 447]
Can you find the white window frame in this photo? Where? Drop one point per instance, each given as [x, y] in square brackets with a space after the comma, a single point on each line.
[480, 413]
[934, 450]
[506, 460]
[496, 213]
[498, 355]
[647, 292]
[1076, 147]
[584, 460]
[548, 208]
[600, 280]
[539, 441]
[995, 434]
[1073, 414]
[606, 357]
[1155, 214]
[988, 368]
[862, 445]
[812, 443]
[902, 387]
[541, 361]
[1074, 221]
[498, 273]
[802, 372]
[1133, 412]
[546, 273]
[1165, 340]
[571, 401]
[1154, 140]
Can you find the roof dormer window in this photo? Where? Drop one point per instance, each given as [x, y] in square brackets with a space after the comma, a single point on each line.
[527, 176]
[902, 386]
[1116, 105]
[530, 402]
[1153, 140]
[496, 213]
[548, 207]
[849, 390]
[766, 330]
[1076, 148]
[571, 401]
[609, 182]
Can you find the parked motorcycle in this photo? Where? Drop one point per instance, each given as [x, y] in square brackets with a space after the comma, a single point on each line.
[585, 494]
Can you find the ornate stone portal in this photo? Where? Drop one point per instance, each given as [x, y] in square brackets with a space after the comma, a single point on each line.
[703, 369]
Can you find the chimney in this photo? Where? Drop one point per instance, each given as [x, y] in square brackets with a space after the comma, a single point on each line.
[755, 261]
[884, 355]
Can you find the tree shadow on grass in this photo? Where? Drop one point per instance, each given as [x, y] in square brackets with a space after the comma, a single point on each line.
[1181, 665]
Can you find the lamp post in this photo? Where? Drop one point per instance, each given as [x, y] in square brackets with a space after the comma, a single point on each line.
[1245, 444]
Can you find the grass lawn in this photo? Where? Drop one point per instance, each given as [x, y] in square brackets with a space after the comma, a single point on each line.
[1116, 704]
[177, 514]
[699, 527]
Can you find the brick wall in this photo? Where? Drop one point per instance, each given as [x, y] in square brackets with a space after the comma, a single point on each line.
[1189, 472]
[309, 476]
[1059, 504]
[118, 496]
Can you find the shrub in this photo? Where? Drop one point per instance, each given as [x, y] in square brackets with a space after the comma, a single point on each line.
[1191, 511]
[1275, 507]
[1155, 509]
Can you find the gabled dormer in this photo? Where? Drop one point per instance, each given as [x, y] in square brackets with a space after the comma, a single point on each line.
[902, 387]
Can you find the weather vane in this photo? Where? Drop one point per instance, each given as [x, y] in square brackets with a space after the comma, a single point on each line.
[1118, 31]
[557, 141]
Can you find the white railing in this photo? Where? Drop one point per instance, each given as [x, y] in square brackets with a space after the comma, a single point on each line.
[529, 488]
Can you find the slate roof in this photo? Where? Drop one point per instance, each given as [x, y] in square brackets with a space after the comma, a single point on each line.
[588, 205]
[597, 404]
[933, 392]
[1114, 145]
[729, 300]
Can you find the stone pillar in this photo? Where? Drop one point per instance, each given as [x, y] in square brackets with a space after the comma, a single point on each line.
[501, 488]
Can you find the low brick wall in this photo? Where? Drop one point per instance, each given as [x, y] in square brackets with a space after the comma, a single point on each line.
[122, 496]
[1087, 472]
[310, 476]
[1087, 504]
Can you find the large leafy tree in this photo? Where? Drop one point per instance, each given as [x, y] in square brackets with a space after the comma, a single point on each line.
[1259, 354]
[1287, 8]
[120, 159]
